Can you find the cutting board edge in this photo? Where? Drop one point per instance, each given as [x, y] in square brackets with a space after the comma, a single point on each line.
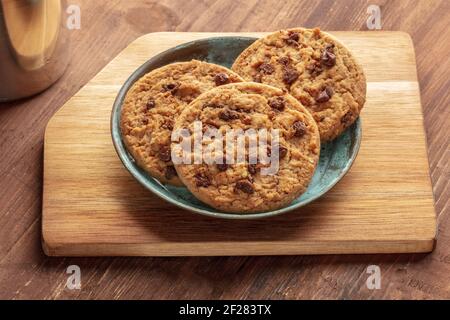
[247, 249]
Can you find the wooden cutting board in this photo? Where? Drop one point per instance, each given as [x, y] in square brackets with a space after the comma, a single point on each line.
[93, 207]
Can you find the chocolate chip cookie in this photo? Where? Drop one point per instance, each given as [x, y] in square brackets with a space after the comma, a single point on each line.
[238, 179]
[152, 104]
[315, 68]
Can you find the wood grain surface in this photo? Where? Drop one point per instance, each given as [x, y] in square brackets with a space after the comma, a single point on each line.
[93, 207]
[107, 28]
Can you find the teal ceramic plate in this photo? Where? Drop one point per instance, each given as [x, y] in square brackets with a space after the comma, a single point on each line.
[336, 157]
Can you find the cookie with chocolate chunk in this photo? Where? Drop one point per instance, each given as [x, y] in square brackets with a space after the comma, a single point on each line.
[245, 184]
[152, 104]
[315, 68]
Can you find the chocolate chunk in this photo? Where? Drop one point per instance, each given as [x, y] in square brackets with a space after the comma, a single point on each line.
[290, 75]
[328, 57]
[252, 168]
[282, 151]
[266, 68]
[284, 61]
[227, 115]
[167, 125]
[222, 166]
[299, 129]
[292, 42]
[170, 87]
[221, 79]
[322, 97]
[314, 69]
[277, 103]
[347, 118]
[150, 104]
[164, 154]
[293, 38]
[145, 121]
[170, 172]
[325, 95]
[245, 186]
[202, 180]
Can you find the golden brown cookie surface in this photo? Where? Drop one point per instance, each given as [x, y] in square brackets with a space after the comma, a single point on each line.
[313, 67]
[152, 104]
[243, 187]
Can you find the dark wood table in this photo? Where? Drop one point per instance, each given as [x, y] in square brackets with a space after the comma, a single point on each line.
[107, 27]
